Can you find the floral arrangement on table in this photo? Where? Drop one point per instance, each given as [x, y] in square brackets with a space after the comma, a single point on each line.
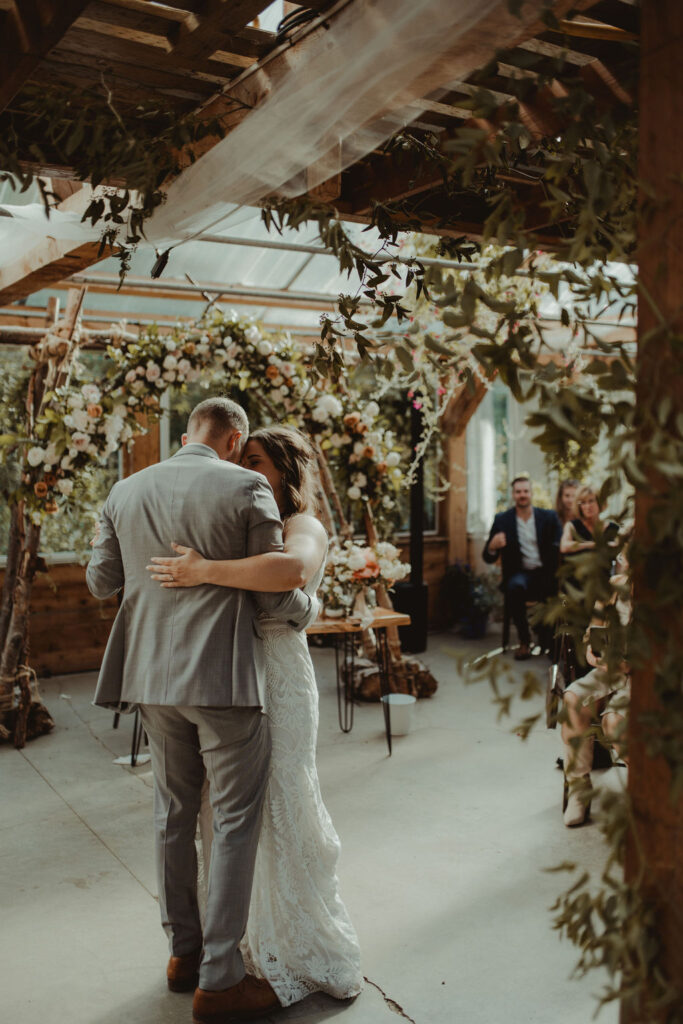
[355, 569]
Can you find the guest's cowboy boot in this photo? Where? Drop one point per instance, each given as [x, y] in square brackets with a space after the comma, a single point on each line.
[576, 802]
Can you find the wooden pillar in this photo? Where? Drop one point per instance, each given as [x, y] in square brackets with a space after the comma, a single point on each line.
[145, 450]
[455, 504]
[658, 821]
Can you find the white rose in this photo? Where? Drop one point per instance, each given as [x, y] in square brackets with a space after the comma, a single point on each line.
[356, 560]
[130, 376]
[253, 335]
[393, 459]
[287, 369]
[35, 456]
[66, 462]
[358, 447]
[91, 393]
[264, 348]
[79, 441]
[152, 372]
[184, 366]
[65, 487]
[171, 346]
[159, 383]
[360, 479]
[119, 410]
[76, 400]
[354, 493]
[371, 410]
[140, 370]
[170, 362]
[79, 419]
[69, 421]
[169, 375]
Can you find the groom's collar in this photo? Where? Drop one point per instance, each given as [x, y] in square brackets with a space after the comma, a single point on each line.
[197, 448]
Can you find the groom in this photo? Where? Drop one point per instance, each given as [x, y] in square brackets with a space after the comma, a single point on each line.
[194, 666]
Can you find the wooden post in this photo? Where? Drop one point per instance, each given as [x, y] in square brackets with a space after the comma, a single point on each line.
[658, 821]
[455, 511]
[145, 450]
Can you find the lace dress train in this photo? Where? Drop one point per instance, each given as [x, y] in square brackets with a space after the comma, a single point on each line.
[299, 935]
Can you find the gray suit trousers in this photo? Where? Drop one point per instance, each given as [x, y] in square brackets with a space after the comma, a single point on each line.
[232, 745]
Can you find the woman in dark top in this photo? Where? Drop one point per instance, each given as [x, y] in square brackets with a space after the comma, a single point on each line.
[579, 533]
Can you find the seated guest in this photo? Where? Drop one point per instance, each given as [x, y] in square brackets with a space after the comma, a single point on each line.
[597, 696]
[525, 539]
[565, 500]
[579, 532]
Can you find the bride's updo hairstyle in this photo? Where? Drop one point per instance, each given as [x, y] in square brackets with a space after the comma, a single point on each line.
[292, 455]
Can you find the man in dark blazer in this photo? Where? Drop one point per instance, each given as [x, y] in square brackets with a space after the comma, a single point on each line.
[526, 539]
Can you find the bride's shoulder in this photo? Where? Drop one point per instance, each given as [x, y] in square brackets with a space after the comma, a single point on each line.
[303, 522]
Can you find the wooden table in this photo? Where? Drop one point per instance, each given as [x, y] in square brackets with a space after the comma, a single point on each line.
[345, 633]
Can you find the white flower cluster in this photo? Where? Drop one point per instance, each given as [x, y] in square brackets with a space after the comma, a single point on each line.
[353, 567]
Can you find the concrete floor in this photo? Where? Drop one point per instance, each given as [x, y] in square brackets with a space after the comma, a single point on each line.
[444, 846]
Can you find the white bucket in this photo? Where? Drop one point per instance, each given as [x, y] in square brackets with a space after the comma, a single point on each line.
[400, 712]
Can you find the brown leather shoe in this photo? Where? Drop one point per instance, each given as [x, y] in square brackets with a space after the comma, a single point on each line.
[182, 973]
[249, 998]
[523, 652]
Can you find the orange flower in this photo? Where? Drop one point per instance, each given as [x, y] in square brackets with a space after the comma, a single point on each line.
[40, 489]
[189, 348]
[272, 372]
[368, 452]
[371, 570]
[50, 479]
[351, 419]
[51, 507]
[381, 467]
[94, 411]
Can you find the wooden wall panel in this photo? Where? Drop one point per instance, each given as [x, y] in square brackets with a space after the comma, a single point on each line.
[69, 627]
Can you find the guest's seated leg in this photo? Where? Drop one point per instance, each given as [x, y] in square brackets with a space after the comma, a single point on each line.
[578, 757]
[516, 591]
[614, 726]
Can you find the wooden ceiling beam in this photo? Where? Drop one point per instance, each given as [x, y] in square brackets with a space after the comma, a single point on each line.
[218, 16]
[27, 39]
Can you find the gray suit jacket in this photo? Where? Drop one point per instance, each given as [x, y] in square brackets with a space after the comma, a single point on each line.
[197, 646]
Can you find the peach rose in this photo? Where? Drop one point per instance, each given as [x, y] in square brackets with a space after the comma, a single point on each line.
[381, 467]
[94, 411]
[51, 507]
[368, 452]
[189, 348]
[40, 489]
[272, 372]
[351, 419]
[50, 479]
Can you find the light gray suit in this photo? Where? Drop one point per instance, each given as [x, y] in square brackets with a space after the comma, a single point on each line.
[192, 660]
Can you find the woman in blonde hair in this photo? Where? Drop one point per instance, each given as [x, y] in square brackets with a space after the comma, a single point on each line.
[578, 532]
[299, 936]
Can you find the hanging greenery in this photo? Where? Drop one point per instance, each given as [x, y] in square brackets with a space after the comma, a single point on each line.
[588, 173]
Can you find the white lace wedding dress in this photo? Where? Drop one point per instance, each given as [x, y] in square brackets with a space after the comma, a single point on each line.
[299, 935]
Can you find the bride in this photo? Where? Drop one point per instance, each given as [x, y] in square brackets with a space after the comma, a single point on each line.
[299, 936]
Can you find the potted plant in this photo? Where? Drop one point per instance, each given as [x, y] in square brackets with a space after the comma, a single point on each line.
[470, 598]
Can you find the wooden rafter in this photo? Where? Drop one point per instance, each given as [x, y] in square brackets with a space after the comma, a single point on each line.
[185, 49]
[27, 38]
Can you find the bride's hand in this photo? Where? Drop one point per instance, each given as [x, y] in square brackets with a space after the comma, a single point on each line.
[98, 531]
[186, 570]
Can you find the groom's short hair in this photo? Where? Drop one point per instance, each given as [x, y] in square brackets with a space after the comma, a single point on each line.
[218, 416]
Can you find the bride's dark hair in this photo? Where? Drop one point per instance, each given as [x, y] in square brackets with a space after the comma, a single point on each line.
[292, 455]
